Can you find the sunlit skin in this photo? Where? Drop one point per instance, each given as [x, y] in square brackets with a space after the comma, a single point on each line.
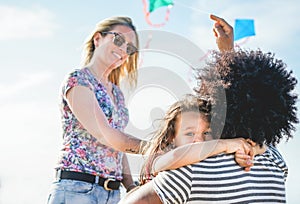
[223, 33]
[191, 127]
[107, 55]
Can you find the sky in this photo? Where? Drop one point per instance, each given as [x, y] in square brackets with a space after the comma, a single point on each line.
[41, 41]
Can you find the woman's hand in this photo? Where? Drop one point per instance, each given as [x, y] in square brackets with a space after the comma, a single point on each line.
[224, 34]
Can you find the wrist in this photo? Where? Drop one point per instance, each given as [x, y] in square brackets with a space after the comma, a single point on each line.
[130, 187]
[222, 145]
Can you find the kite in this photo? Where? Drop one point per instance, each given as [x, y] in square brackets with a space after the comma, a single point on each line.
[153, 5]
[243, 28]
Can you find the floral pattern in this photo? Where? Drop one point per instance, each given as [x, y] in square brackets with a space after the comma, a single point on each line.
[81, 151]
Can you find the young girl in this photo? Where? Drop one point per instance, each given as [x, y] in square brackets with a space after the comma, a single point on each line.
[188, 121]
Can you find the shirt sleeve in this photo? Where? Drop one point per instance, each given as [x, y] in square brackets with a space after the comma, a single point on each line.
[174, 186]
[75, 78]
[278, 160]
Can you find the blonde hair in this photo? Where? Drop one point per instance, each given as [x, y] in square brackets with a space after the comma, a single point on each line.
[161, 142]
[128, 68]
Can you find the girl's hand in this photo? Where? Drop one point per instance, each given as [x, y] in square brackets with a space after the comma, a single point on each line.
[243, 160]
[256, 148]
[233, 145]
[243, 150]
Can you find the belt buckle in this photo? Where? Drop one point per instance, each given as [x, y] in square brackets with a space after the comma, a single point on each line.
[58, 175]
[105, 185]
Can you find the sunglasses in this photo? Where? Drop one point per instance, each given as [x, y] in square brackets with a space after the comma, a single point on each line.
[118, 40]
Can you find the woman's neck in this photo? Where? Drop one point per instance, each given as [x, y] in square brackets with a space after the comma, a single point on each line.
[100, 73]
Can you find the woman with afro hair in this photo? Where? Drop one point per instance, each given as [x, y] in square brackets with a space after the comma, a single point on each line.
[254, 90]
[252, 97]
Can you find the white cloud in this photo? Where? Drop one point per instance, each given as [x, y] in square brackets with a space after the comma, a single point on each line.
[23, 23]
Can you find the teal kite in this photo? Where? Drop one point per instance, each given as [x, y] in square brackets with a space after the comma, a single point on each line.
[154, 4]
[243, 28]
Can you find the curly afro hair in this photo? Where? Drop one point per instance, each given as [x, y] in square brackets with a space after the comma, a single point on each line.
[259, 101]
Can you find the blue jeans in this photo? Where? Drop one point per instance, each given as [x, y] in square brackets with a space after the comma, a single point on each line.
[78, 192]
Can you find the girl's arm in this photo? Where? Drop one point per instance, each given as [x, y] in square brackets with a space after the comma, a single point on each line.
[198, 151]
[85, 107]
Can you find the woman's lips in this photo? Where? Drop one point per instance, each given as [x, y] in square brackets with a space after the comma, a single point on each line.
[117, 55]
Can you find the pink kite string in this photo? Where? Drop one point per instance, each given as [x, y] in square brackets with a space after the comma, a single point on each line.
[147, 15]
[146, 46]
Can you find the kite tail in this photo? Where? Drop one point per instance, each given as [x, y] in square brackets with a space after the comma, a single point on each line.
[205, 55]
[146, 47]
[243, 42]
[147, 16]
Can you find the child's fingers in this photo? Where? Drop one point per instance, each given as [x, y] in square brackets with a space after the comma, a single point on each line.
[244, 162]
[248, 149]
[239, 154]
[251, 142]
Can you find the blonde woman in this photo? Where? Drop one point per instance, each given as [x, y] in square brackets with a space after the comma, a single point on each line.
[90, 168]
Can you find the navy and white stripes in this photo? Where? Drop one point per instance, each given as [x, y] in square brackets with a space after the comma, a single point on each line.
[219, 179]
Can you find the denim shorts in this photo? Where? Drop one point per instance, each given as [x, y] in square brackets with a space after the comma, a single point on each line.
[68, 191]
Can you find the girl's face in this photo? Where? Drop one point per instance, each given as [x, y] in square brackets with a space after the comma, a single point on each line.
[112, 49]
[191, 127]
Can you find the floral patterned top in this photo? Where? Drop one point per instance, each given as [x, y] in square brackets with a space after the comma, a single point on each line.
[81, 151]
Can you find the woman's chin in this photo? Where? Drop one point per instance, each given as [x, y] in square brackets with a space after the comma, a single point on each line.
[117, 63]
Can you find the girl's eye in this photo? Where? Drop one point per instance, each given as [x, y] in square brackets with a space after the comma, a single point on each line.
[207, 133]
[208, 136]
[190, 134]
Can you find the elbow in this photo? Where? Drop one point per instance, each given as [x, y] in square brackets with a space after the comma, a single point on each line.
[168, 161]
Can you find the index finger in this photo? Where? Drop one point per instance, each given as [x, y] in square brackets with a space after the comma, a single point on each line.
[226, 26]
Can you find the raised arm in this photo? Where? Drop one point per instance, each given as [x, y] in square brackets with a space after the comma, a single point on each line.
[223, 33]
[198, 151]
[85, 107]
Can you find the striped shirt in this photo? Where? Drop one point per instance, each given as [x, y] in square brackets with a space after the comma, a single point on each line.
[219, 179]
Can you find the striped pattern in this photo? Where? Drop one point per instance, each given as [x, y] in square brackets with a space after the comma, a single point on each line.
[219, 180]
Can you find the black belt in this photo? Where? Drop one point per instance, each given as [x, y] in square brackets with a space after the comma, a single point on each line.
[107, 183]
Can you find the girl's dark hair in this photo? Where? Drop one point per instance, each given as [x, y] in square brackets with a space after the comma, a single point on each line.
[259, 98]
